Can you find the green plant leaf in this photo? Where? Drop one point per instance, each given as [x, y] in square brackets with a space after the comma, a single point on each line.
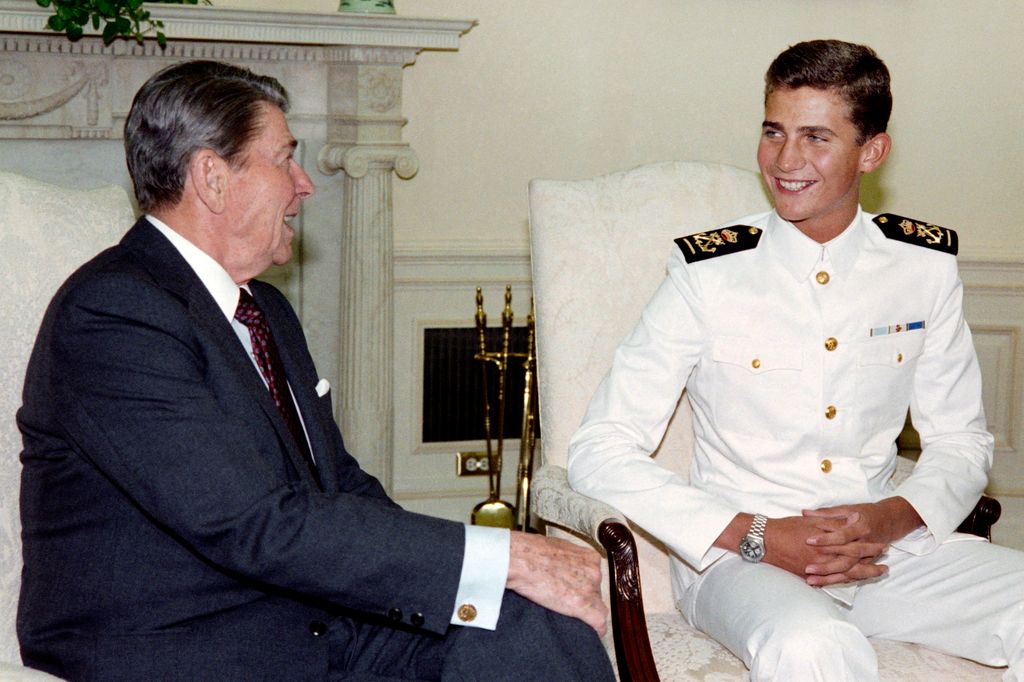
[110, 33]
[119, 18]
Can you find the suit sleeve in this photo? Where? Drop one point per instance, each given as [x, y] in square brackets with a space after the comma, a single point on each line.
[160, 413]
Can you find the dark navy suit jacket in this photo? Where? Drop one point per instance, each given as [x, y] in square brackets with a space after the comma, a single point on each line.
[171, 530]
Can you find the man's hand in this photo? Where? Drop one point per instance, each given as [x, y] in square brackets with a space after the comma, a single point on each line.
[823, 549]
[867, 525]
[559, 575]
[831, 545]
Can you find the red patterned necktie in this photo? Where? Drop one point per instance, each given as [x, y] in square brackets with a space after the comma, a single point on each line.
[269, 361]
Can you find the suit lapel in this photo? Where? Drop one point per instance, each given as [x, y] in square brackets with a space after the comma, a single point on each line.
[172, 271]
[302, 377]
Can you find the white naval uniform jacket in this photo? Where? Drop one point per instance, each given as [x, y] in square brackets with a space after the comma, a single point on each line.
[781, 422]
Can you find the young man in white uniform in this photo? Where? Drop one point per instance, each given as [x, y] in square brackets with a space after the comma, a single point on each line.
[802, 336]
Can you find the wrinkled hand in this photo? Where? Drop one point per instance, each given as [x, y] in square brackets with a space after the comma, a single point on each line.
[823, 549]
[559, 575]
[866, 527]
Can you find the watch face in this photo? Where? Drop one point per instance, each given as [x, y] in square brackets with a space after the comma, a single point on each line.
[751, 549]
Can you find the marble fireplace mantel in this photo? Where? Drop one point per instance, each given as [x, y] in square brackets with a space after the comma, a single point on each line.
[344, 75]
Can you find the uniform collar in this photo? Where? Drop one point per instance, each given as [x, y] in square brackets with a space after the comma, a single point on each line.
[804, 257]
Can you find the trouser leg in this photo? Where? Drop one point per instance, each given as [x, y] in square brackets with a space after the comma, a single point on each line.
[781, 628]
[966, 598]
[530, 644]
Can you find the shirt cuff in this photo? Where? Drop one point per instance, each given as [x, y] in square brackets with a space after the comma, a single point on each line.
[483, 577]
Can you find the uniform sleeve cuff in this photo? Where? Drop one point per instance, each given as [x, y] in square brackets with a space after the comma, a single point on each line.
[483, 577]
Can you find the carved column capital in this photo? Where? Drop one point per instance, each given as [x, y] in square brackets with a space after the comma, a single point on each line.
[357, 160]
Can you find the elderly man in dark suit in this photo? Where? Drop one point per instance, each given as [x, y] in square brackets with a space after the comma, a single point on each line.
[189, 509]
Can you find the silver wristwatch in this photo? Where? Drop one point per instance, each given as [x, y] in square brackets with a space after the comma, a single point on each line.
[752, 544]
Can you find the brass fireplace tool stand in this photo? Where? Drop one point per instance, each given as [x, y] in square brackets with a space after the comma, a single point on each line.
[494, 511]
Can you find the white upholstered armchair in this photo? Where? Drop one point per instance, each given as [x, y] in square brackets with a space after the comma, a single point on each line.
[599, 248]
[46, 232]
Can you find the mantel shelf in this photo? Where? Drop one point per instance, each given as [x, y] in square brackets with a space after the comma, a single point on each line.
[186, 22]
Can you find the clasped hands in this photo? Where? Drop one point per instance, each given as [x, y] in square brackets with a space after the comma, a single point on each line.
[841, 544]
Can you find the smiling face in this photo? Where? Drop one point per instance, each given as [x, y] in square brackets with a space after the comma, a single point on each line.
[811, 161]
[262, 195]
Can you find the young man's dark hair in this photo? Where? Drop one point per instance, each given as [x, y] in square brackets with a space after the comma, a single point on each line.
[852, 71]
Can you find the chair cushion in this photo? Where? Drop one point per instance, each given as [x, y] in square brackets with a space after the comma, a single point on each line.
[683, 654]
[46, 232]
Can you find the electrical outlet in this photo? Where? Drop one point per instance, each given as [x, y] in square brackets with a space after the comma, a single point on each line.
[472, 464]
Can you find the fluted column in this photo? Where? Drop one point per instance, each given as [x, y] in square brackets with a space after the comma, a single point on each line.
[366, 301]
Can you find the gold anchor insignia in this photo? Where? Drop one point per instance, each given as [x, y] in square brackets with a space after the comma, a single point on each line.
[708, 242]
[930, 233]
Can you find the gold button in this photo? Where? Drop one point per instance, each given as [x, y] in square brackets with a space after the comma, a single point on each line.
[826, 466]
[467, 613]
[830, 412]
[753, 230]
[822, 277]
[756, 364]
[831, 344]
[899, 357]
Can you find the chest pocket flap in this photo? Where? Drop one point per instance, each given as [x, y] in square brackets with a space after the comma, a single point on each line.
[892, 350]
[755, 355]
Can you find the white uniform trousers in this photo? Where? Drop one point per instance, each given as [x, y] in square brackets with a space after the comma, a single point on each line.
[966, 598]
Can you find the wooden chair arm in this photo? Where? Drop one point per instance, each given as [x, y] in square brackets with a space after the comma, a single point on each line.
[981, 519]
[558, 504]
[633, 651]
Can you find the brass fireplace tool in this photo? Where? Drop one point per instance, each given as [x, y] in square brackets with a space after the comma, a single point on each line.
[494, 511]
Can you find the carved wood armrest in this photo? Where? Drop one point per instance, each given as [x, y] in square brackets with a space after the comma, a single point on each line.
[982, 517]
[557, 503]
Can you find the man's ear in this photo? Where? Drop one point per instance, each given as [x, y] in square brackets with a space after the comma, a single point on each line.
[874, 151]
[208, 176]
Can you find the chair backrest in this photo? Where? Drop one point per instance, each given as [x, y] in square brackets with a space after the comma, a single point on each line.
[46, 232]
[599, 250]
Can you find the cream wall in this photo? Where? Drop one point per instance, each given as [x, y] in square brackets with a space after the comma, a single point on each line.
[581, 87]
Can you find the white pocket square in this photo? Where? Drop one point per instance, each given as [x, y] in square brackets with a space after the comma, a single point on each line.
[322, 387]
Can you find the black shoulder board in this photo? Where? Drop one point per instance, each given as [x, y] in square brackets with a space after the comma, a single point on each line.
[704, 245]
[913, 232]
